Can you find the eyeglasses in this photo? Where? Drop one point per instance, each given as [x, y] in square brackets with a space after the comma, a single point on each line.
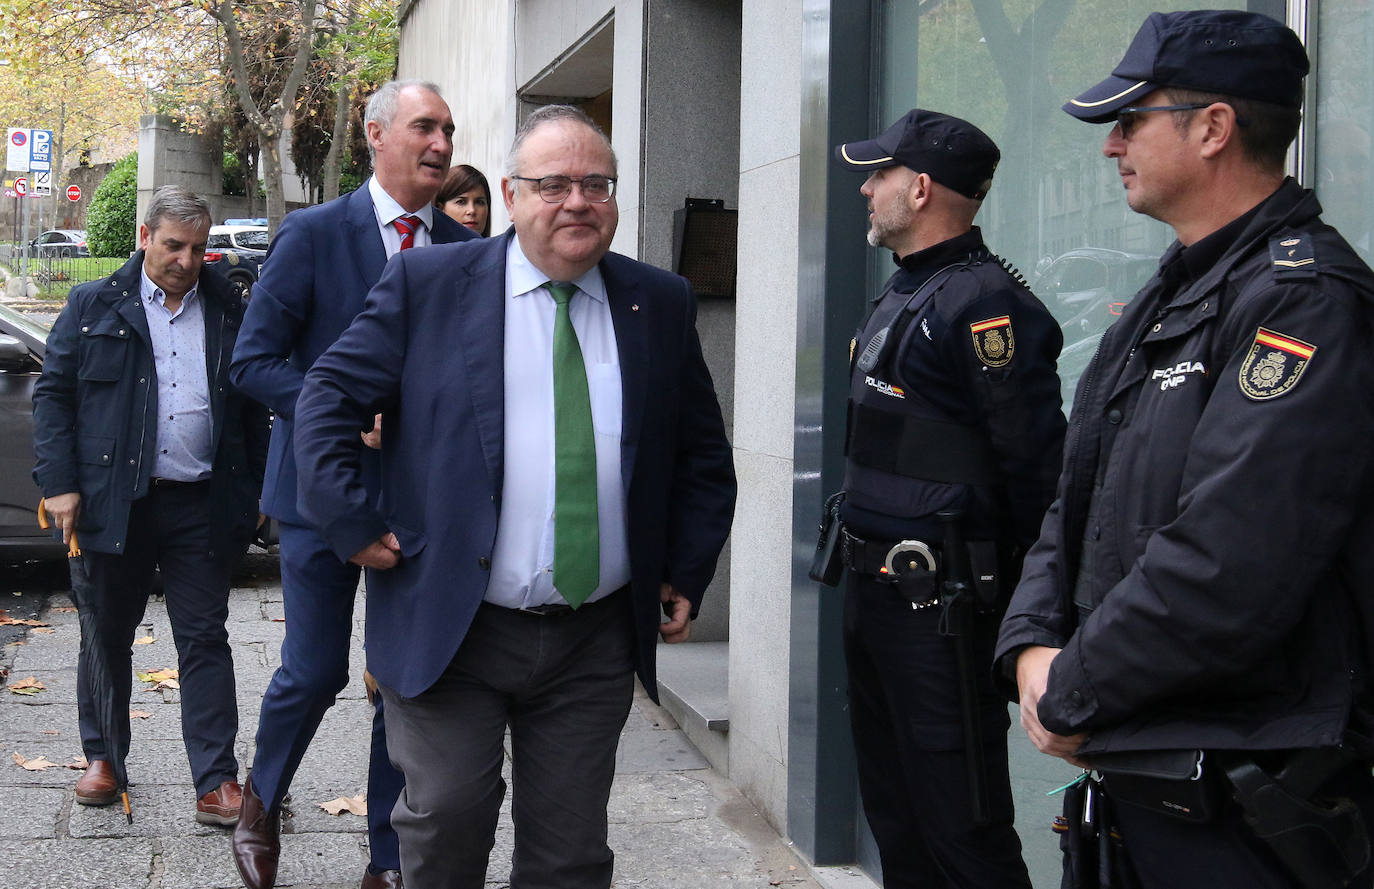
[1128, 123]
[555, 189]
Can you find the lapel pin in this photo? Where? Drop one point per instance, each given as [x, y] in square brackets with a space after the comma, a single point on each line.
[634, 307]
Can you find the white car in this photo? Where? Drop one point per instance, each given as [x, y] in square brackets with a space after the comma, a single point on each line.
[237, 252]
[240, 237]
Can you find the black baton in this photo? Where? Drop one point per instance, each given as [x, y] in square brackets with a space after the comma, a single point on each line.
[957, 622]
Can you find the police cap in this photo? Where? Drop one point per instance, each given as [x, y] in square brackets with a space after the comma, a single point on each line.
[951, 151]
[1234, 53]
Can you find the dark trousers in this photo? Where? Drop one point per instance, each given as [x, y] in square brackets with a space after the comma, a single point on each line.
[1168, 853]
[318, 594]
[563, 685]
[908, 739]
[169, 530]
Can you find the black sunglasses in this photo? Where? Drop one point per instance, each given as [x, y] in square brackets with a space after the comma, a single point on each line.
[1126, 120]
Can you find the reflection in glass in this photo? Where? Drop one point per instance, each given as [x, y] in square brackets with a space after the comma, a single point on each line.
[1056, 205]
[1345, 111]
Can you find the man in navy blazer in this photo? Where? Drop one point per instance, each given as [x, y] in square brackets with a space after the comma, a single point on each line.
[469, 628]
[320, 267]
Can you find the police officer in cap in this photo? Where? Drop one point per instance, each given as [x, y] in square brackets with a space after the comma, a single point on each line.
[954, 442]
[1192, 621]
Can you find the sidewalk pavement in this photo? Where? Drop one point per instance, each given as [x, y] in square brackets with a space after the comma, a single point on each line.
[675, 823]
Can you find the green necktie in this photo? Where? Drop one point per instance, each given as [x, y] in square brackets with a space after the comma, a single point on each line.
[576, 529]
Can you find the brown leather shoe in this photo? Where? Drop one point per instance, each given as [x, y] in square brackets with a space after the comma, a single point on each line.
[257, 841]
[220, 806]
[97, 787]
[387, 879]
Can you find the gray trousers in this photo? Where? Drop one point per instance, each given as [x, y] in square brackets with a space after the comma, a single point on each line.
[563, 684]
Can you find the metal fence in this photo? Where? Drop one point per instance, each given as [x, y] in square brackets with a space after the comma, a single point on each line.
[51, 273]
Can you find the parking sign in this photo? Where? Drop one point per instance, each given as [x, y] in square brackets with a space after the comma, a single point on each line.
[40, 150]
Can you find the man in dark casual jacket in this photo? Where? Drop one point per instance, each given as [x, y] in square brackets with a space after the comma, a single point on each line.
[147, 453]
[1190, 610]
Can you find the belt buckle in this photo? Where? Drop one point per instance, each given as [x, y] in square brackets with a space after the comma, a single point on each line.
[908, 546]
[552, 609]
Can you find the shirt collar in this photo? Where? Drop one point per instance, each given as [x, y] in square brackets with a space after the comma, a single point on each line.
[1199, 257]
[914, 269]
[150, 292]
[525, 278]
[388, 210]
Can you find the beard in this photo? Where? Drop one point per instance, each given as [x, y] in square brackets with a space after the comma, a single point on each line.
[888, 223]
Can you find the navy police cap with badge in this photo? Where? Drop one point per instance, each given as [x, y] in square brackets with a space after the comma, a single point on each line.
[951, 151]
[1230, 52]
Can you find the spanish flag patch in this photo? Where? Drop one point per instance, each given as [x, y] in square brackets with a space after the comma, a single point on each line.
[1274, 364]
[993, 342]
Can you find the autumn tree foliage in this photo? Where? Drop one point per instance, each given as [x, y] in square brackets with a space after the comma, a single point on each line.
[86, 106]
[242, 64]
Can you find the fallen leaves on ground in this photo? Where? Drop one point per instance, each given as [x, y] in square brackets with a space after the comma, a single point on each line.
[354, 805]
[162, 679]
[139, 714]
[20, 622]
[50, 731]
[66, 609]
[145, 640]
[44, 630]
[37, 764]
[79, 763]
[27, 686]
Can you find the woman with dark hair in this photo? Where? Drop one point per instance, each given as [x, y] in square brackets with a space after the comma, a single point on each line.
[466, 198]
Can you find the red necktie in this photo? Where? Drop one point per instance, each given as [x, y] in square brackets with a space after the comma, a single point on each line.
[407, 226]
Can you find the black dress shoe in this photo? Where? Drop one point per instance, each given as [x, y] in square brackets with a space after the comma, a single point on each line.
[257, 841]
[387, 879]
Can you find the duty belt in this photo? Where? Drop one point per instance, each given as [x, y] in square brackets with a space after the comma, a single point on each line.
[887, 558]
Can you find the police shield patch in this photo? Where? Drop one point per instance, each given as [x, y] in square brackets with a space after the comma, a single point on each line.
[993, 342]
[1275, 364]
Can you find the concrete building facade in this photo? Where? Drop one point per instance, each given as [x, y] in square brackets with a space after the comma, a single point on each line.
[741, 101]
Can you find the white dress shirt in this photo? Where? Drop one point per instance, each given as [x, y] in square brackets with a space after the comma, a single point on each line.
[184, 428]
[387, 211]
[522, 563]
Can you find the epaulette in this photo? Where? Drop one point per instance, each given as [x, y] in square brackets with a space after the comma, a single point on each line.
[1292, 257]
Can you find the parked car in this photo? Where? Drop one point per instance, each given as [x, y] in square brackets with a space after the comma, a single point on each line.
[59, 242]
[22, 345]
[240, 237]
[237, 252]
[1086, 288]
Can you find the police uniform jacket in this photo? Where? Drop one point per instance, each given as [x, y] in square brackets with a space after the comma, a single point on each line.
[975, 367]
[95, 410]
[1199, 562]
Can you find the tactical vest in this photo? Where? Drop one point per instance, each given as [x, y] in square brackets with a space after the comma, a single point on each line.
[904, 456]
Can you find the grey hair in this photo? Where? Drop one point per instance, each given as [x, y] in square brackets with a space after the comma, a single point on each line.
[552, 114]
[381, 107]
[179, 205]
